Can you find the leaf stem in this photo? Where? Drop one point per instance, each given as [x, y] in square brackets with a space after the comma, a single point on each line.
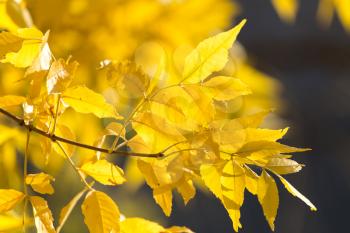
[126, 122]
[56, 114]
[25, 173]
[74, 167]
[54, 137]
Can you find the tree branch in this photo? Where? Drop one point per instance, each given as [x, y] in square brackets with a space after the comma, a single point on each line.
[54, 137]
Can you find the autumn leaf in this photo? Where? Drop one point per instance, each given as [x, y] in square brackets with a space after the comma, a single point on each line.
[233, 182]
[104, 172]
[128, 79]
[9, 198]
[32, 45]
[60, 75]
[40, 183]
[268, 197]
[164, 198]
[101, 214]
[9, 43]
[283, 165]
[226, 88]
[42, 215]
[140, 225]
[210, 55]
[296, 193]
[11, 101]
[286, 9]
[84, 100]
[42, 62]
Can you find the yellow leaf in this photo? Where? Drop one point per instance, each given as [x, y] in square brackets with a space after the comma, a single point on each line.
[101, 214]
[342, 8]
[137, 144]
[286, 9]
[5, 20]
[264, 134]
[233, 182]
[155, 173]
[42, 61]
[11, 101]
[40, 183]
[211, 175]
[116, 129]
[66, 210]
[128, 79]
[10, 223]
[84, 100]
[199, 106]
[155, 131]
[9, 43]
[234, 212]
[283, 166]
[176, 229]
[226, 88]
[164, 198]
[187, 190]
[9, 198]
[253, 120]
[19, 13]
[263, 149]
[210, 55]
[140, 225]
[268, 197]
[32, 45]
[64, 132]
[104, 172]
[251, 180]
[42, 215]
[187, 107]
[296, 193]
[60, 75]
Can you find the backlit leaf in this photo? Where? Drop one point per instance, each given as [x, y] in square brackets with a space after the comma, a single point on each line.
[32, 45]
[9, 43]
[42, 215]
[11, 100]
[226, 88]
[40, 183]
[283, 166]
[9, 198]
[187, 190]
[104, 172]
[210, 55]
[268, 197]
[164, 198]
[101, 214]
[60, 75]
[233, 182]
[84, 100]
[296, 193]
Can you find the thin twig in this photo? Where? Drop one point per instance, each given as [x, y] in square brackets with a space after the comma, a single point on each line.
[56, 114]
[54, 137]
[25, 172]
[74, 167]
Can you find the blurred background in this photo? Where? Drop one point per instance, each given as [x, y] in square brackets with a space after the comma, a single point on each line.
[295, 63]
[313, 64]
